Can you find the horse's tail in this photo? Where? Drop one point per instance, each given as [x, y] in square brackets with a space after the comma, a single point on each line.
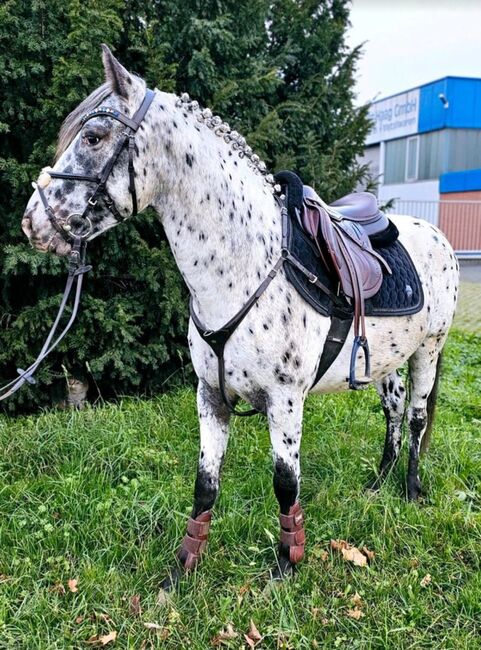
[431, 405]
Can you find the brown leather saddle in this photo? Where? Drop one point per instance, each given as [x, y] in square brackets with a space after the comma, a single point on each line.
[341, 234]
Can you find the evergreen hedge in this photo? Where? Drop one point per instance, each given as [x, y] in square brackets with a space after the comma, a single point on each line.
[279, 71]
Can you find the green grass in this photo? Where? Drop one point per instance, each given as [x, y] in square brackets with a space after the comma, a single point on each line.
[468, 313]
[102, 496]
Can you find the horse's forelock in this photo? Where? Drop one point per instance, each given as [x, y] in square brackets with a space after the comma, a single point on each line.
[73, 121]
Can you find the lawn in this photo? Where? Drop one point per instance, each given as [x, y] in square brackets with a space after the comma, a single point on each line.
[100, 498]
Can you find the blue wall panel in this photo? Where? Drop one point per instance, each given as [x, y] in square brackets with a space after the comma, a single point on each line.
[432, 114]
[465, 181]
[463, 111]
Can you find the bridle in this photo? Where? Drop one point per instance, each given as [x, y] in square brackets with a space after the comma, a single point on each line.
[78, 238]
[65, 226]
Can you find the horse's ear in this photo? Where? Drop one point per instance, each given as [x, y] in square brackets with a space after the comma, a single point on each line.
[115, 74]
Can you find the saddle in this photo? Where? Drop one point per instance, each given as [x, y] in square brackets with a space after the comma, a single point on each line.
[341, 232]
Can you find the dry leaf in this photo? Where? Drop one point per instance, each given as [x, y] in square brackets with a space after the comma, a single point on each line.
[324, 556]
[103, 617]
[108, 638]
[369, 554]
[356, 600]
[414, 563]
[339, 544]
[355, 613]
[134, 606]
[254, 633]
[58, 589]
[354, 555]
[426, 580]
[153, 626]
[224, 635]
[249, 641]
[72, 585]
[79, 619]
[102, 640]
[253, 637]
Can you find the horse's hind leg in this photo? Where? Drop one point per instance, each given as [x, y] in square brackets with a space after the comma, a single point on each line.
[285, 422]
[424, 370]
[393, 399]
[214, 433]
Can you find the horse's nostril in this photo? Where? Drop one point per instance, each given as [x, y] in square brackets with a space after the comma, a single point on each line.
[27, 226]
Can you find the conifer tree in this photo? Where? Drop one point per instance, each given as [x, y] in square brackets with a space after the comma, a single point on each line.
[279, 71]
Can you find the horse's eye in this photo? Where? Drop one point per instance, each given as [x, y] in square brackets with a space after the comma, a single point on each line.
[91, 140]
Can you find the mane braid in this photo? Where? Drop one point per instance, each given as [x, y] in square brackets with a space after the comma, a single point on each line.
[73, 121]
[237, 141]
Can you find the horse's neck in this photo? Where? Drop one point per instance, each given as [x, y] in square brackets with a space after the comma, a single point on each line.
[220, 218]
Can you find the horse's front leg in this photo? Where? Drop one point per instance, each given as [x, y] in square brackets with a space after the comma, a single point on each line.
[284, 414]
[214, 433]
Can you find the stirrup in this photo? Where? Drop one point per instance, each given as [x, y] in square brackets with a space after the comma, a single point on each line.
[356, 384]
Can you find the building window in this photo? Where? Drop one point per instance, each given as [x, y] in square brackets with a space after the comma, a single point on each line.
[412, 158]
[395, 161]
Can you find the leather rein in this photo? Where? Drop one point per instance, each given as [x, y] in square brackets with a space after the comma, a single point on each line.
[77, 233]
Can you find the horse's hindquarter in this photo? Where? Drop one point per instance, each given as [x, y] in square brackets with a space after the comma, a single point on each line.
[393, 340]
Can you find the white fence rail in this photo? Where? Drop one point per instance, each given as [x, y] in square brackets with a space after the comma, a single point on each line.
[459, 220]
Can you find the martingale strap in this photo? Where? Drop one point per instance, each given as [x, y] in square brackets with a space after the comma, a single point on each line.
[217, 339]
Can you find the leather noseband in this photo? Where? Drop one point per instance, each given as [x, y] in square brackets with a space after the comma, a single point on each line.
[65, 227]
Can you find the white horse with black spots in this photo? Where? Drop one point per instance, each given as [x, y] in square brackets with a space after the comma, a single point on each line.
[224, 228]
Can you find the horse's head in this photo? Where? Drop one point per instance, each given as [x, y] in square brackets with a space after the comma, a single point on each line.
[68, 199]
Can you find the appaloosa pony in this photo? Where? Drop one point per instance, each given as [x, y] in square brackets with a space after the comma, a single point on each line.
[218, 207]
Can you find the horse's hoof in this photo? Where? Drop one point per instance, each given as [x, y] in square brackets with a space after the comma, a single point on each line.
[414, 491]
[283, 569]
[171, 582]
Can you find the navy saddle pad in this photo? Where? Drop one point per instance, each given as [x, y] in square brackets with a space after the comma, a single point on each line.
[400, 293]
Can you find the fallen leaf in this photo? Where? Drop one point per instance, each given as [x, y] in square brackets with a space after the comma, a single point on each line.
[224, 635]
[253, 636]
[354, 555]
[369, 554]
[108, 638]
[72, 585]
[356, 600]
[426, 580]
[324, 555]
[355, 613]
[254, 633]
[58, 589]
[79, 619]
[163, 598]
[102, 640]
[339, 544]
[100, 616]
[414, 563]
[153, 626]
[134, 606]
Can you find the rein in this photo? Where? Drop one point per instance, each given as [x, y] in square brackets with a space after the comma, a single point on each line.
[77, 267]
[76, 271]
